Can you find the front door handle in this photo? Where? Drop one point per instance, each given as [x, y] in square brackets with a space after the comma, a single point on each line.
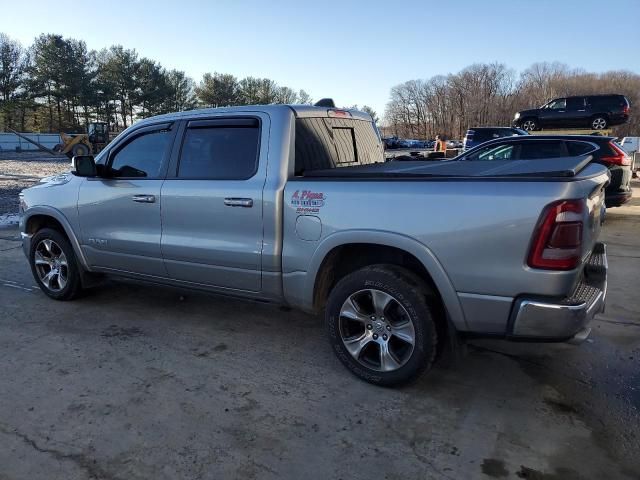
[238, 202]
[144, 198]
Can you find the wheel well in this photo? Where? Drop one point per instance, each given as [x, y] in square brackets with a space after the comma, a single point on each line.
[345, 259]
[603, 115]
[38, 222]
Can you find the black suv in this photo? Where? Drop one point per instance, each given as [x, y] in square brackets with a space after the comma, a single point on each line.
[592, 111]
[529, 147]
[477, 135]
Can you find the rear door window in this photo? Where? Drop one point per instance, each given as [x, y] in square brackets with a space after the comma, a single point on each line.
[220, 149]
[575, 104]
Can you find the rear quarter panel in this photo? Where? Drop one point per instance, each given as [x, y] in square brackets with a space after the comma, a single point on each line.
[476, 232]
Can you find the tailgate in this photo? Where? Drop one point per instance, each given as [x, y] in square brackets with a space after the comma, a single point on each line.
[595, 215]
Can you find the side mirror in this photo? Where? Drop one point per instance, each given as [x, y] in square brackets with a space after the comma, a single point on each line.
[84, 166]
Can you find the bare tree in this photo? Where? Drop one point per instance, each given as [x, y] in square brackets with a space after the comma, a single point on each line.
[490, 94]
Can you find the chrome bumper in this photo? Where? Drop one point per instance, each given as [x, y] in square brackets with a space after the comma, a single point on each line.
[565, 319]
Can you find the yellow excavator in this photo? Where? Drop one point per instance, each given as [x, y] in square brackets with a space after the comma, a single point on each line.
[92, 142]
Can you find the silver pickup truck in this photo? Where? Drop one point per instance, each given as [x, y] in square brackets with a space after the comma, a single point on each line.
[295, 205]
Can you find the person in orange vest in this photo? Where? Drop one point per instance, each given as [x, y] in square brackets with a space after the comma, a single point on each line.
[440, 145]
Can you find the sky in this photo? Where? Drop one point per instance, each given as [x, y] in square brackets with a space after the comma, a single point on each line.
[352, 51]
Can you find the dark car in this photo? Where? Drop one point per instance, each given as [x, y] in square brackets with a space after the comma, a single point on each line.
[477, 135]
[390, 142]
[603, 149]
[596, 112]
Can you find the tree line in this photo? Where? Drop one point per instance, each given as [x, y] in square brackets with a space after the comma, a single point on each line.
[490, 95]
[58, 84]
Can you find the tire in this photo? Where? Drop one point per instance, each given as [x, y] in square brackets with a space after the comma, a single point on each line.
[79, 149]
[367, 340]
[530, 124]
[599, 122]
[57, 147]
[51, 252]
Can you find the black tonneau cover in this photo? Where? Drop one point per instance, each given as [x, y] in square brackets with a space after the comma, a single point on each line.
[545, 168]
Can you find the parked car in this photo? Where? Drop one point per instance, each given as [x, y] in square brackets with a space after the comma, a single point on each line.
[604, 151]
[403, 143]
[260, 202]
[596, 112]
[477, 135]
[390, 142]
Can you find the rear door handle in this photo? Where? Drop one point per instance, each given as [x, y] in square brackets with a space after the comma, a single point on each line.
[144, 198]
[238, 202]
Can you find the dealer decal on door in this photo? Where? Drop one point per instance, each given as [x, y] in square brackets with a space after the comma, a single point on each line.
[307, 201]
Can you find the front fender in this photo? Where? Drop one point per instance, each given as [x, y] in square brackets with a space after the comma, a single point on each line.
[59, 216]
[391, 239]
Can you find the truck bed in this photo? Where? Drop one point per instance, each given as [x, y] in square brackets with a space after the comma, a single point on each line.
[561, 168]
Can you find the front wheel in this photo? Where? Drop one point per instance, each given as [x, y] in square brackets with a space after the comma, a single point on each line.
[381, 325]
[54, 266]
[80, 149]
[530, 125]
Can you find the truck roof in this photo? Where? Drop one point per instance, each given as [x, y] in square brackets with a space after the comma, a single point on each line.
[300, 111]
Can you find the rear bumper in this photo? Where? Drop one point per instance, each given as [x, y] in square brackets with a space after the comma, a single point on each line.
[564, 319]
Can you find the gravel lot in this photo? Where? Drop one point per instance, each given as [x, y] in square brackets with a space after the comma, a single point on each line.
[21, 170]
[136, 382]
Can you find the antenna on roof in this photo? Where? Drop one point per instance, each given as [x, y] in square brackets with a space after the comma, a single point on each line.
[325, 102]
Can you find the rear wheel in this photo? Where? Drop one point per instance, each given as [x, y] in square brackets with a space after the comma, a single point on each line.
[381, 326]
[599, 123]
[54, 265]
[530, 124]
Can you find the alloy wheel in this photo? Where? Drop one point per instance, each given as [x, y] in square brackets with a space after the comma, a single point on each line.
[377, 330]
[599, 123]
[51, 265]
[529, 125]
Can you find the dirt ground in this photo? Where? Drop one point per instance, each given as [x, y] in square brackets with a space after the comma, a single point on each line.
[136, 382]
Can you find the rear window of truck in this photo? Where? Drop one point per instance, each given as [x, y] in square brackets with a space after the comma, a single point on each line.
[324, 143]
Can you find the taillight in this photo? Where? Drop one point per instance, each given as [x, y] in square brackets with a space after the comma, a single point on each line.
[625, 109]
[557, 240]
[619, 156]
